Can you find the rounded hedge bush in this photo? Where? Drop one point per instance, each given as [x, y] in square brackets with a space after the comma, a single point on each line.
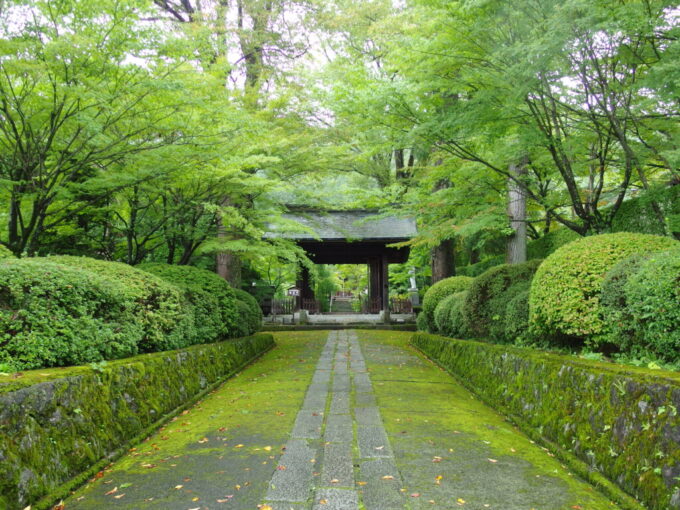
[213, 298]
[653, 302]
[439, 291]
[56, 315]
[565, 294]
[251, 314]
[618, 323]
[421, 322]
[516, 322]
[488, 297]
[5, 253]
[166, 316]
[449, 316]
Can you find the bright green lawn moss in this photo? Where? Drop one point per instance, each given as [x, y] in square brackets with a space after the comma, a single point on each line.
[55, 425]
[622, 422]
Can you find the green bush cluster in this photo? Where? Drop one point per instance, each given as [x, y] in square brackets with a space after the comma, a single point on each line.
[212, 297]
[249, 312]
[565, 293]
[5, 253]
[614, 293]
[641, 299]
[65, 310]
[488, 297]
[439, 291]
[55, 315]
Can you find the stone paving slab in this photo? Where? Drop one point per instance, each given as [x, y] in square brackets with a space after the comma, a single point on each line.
[336, 499]
[338, 467]
[308, 425]
[293, 482]
[340, 402]
[339, 429]
[383, 485]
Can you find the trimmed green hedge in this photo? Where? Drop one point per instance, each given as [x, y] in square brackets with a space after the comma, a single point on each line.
[439, 291]
[48, 448]
[619, 421]
[249, 312]
[166, 316]
[565, 293]
[652, 297]
[488, 297]
[5, 253]
[213, 299]
[449, 316]
[55, 315]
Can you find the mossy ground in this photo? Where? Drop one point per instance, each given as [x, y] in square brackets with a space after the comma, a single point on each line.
[438, 428]
[221, 451]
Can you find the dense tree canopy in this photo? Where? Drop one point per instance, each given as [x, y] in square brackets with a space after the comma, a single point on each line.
[172, 131]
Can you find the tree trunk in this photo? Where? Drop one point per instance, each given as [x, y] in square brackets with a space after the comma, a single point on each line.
[227, 263]
[443, 262]
[517, 212]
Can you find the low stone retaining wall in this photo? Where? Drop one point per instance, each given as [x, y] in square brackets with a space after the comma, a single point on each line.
[620, 422]
[60, 426]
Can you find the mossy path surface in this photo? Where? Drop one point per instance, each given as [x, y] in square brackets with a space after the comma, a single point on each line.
[339, 420]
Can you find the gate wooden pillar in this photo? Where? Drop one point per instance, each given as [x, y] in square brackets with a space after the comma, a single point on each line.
[375, 284]
[385, 289]
[305, 286]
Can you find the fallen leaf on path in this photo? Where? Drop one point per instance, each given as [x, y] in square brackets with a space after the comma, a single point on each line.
[237, 487]
[492, 461]
[415, 495]
[238, 446]
[59, 506]
[388, 477]
[264, 507]
[195, 499]
[267, 448]
[119, 496]
[379, 447]
[323, 502]
[335, 480]
[149, 466]
[204, 440]
[436, 459]
[460, 501]
[112, 491]
[280, 468]
[438, 479]
[178, 487]
[361, 484]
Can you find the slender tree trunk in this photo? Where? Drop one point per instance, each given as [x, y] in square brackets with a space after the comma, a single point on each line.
[228, 264]
[517, 213]
[442, 256]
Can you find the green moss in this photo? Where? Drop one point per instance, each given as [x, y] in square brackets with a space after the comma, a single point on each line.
[618, 421]
[44, 423]
[257, 409]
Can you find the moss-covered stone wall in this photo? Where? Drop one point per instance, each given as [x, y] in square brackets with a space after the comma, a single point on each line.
[620, 422]
[57, 426]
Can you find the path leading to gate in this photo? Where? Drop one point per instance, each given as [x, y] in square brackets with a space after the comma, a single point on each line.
[333, 421]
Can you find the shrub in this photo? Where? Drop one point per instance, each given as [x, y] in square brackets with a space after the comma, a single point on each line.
[421, 322]
[213, 299]
[455, 325]
[565, 294]
[5, 253]
[55, 315]
[251, 313]
[653, 302]
[543, 246]
[618, 327]
[478, 268]
[516, 323]
[489, 295]
[441, 314]
[166, 317]
[439, 291]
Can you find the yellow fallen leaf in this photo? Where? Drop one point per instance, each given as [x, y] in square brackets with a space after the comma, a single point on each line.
[438, 479]
[335, 480]
[195, 499]
[112, 491]
[388, 477]
[119, 496]
[238, 446]
[267, 449]
[361, 484]
[237, 487]
[323, 502]
[493, 460]
[460, 501]
[178, 487]
[265, 507]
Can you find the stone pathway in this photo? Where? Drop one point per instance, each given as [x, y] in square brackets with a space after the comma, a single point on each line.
[340, 420]
[326, 414]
